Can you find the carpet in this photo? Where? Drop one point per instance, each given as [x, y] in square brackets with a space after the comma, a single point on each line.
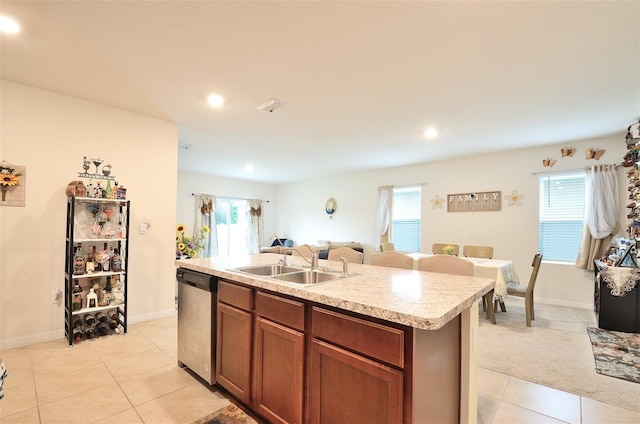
[230, 414]
[554, 352]
[617, 354]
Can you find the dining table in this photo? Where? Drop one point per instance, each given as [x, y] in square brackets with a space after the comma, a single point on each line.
[501, 270]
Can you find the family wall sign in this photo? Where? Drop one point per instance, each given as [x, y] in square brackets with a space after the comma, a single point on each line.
[475, 202]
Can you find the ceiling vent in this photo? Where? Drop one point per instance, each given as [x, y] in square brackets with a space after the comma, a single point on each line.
[271, 105]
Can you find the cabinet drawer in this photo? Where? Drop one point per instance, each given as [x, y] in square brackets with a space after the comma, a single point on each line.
[371, 339]
[283, 311]
[234, 295]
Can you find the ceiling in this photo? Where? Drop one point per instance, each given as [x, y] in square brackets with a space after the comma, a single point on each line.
[361, 80]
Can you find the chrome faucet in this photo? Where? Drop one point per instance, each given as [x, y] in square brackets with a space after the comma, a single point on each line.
[345, 266]
[315, 255]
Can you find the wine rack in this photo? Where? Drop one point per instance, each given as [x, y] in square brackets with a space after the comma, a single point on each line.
[93, 223]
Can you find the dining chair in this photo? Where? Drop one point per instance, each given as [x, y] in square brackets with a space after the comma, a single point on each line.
[525, 291]
[437, 248]
[352, 256]
[392, 259]
[478, 251]
[448, 264]
[385, 247]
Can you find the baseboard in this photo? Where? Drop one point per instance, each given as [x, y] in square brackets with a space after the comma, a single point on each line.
[31, 339]
[59, 334]
[565, 303]
[134, 319]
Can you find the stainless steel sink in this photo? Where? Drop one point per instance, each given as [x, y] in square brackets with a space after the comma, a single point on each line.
[308, 277]
[268, 270]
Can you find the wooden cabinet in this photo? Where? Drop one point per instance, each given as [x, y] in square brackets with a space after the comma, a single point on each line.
[266, 336]
[233, 340]
[293, 361]
[617, 313]
[356, 370]
[278, 359]
[349, 388]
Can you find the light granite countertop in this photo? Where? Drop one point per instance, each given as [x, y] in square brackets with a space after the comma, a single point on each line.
[422, 300]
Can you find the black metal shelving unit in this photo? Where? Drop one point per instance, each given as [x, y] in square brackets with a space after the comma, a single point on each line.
[73, 239]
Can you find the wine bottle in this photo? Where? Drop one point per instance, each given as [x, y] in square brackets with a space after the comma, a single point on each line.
[97, 266]
[77, 296]
[113, 315]
[89, 261]
[116, 261]
[107, 190]
[102, 317]
[102, 328]
[89, 319]
[77, 321]
[89, 331]
[113, 324]
[105, 258]
[77, 333]
[78, 261]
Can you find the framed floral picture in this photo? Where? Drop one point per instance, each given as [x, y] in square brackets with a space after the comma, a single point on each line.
[13, 183]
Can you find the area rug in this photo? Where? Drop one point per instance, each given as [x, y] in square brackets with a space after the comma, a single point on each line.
[617, 354]
[230, 414]
[554, 352]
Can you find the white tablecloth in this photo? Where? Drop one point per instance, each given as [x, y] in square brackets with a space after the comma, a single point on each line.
[497, 269]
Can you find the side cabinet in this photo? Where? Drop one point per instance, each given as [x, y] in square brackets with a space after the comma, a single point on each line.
[233, 339]
[356, 370]
[278, 358]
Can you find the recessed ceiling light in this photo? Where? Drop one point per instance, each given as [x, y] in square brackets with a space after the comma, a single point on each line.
[249, 168]
[430, 133]
[8, 25]
[215, 100]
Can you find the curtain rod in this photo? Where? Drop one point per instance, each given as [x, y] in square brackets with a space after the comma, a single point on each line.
[403, 186]
[566, 171]
[228, 197]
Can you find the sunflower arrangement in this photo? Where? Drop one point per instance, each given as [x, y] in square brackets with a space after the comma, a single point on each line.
[190, 246]
[9, 178]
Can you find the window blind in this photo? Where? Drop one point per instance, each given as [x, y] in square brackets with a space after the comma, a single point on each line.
[405, 222]
[561, 215]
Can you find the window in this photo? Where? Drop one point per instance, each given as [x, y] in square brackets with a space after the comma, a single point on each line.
[561, 215]
[405, 222]
[231, 227]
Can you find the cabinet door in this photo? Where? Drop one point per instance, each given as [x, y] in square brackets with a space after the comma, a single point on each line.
[278, 372]
[233, 342]
[347, 388]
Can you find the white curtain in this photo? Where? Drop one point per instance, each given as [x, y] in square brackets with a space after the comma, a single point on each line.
[383, 218]
[256, 224]
[206, 215]
[600, 214]
[601, 197]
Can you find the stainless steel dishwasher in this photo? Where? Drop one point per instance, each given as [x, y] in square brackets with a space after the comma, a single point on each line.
[197, 298]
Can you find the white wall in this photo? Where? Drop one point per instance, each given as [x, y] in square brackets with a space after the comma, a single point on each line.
[50, 133]
[191, 182]
[513, 231]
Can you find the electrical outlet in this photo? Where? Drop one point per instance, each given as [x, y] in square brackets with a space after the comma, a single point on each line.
[57, 295]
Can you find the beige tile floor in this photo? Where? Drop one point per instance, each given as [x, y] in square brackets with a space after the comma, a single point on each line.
[135, 379]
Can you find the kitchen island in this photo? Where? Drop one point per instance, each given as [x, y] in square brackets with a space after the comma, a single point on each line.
[380, 345]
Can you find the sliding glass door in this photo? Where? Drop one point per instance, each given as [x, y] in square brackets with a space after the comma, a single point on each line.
[231, 227]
